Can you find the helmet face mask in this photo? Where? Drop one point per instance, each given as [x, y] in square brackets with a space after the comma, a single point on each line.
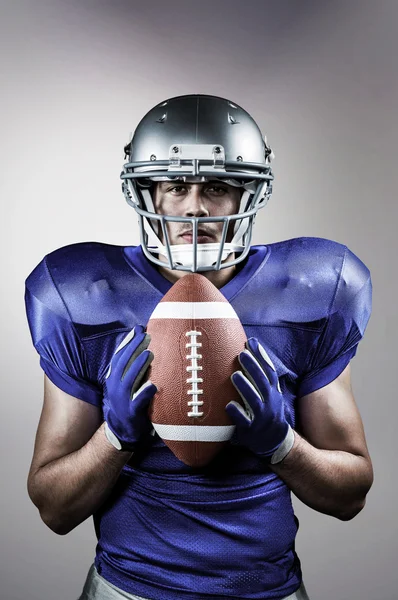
[196, 139]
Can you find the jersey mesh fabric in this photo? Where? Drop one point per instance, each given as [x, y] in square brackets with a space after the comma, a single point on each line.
[168, 531]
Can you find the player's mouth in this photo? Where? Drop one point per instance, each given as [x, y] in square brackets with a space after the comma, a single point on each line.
[204, 237]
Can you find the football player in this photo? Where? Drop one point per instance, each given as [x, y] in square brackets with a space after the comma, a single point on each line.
[198, 170]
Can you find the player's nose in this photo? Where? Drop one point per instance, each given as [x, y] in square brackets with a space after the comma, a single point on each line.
[196, 203]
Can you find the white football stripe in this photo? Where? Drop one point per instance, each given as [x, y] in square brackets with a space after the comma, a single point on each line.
[194, 310]
[194, 433]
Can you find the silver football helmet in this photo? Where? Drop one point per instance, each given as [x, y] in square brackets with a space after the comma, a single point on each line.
[197, 138]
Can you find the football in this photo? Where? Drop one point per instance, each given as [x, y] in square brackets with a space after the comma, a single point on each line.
[196, 338]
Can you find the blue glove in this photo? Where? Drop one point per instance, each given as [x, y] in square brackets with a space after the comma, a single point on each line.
[260, 425]
[126, 400]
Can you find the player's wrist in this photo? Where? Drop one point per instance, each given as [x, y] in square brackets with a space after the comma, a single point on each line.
[284, 448]
[116, 441]
[275, 444]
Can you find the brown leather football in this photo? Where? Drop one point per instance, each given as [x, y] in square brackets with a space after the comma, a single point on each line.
[196, 338]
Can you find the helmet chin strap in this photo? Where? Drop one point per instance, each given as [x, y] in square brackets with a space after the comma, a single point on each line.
[207, 254]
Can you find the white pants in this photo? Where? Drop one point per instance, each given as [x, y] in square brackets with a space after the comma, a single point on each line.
[97, 588]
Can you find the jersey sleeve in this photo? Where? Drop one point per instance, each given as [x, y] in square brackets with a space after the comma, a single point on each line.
[55, 338]
[345, 326]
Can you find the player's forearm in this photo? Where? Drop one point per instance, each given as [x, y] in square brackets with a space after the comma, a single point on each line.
[69, 489]
[331, 482]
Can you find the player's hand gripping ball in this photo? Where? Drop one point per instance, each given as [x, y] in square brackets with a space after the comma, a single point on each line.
[126, 401]
[260, 424]
[196, 338]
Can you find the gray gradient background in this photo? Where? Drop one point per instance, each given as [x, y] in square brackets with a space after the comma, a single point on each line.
[321, 80]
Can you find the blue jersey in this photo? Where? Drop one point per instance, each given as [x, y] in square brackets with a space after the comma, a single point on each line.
[227, 530]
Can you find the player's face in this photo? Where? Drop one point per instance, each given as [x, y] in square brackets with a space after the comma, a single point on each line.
[210, 199]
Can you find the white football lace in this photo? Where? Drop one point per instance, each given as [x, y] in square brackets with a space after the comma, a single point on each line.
[193, 369]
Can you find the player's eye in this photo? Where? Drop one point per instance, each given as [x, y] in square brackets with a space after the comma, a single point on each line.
[216, 189]
[177, 189]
